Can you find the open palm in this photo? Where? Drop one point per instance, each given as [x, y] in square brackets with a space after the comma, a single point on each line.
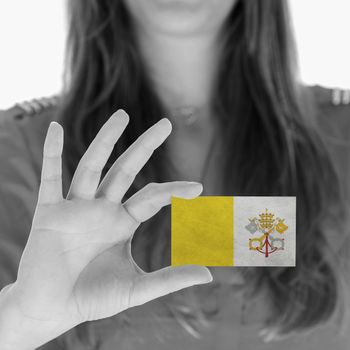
[77, 264]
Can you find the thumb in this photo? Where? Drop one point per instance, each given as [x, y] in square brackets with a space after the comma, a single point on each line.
[167, 280]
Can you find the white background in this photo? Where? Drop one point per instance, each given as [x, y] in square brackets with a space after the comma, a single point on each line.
[32, 35]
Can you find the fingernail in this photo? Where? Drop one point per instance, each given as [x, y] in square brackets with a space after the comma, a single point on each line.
[121, 115]
[165, 122]
[55, 124]
[194, 183]
[196, 186]
[55, 128]
[209, 277]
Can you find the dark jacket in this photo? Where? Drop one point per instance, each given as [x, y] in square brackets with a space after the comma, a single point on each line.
[22, 133]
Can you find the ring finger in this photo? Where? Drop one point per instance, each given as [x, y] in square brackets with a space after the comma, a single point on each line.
[123, 172]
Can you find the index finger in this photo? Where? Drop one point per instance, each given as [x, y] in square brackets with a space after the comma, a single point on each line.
[88, 173]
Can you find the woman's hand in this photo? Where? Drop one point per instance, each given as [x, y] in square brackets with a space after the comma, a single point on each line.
[77, 264]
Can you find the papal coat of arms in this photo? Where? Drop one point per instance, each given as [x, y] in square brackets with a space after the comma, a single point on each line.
[266, 224]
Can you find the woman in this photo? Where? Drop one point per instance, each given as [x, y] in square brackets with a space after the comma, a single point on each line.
[223, 72]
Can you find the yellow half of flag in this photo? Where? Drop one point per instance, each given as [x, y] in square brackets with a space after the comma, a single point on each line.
[233, 231]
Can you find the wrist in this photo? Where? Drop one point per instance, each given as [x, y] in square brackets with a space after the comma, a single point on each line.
[20, 331]
[11, 322]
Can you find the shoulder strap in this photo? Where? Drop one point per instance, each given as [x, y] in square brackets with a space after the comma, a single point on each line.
[36, 106]
[30, 107]
[331, 96]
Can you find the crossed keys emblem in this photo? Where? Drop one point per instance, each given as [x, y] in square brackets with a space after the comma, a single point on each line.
[266, 224]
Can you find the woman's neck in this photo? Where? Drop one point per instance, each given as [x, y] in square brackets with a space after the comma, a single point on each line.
[181, 68]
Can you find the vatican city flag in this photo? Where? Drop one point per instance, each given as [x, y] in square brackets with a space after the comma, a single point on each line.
[233, 231]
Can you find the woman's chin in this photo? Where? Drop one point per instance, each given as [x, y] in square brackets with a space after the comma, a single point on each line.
[180, 17]
[182, 22]
[178, 6]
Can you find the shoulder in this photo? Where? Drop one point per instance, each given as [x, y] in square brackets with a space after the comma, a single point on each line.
[332, 116]
[23, 128]
[332, 106]
[29, 109]
[30, 119]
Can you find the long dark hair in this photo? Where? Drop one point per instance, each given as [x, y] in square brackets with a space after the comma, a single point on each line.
[271, 145]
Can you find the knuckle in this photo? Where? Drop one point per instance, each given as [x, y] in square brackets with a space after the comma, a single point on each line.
[146, 143]
[91, 167]
[131, 295]
[52, 178]
[80, 194]
[124, 173]
[151, 186]
[152, 206]
[48, 155]
[148, 148]
[103, 142]
[166, 274]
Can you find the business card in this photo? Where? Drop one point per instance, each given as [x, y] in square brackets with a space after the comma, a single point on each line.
[233, 231]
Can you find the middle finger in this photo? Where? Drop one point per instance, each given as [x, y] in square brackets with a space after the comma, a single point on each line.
[88, 172]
